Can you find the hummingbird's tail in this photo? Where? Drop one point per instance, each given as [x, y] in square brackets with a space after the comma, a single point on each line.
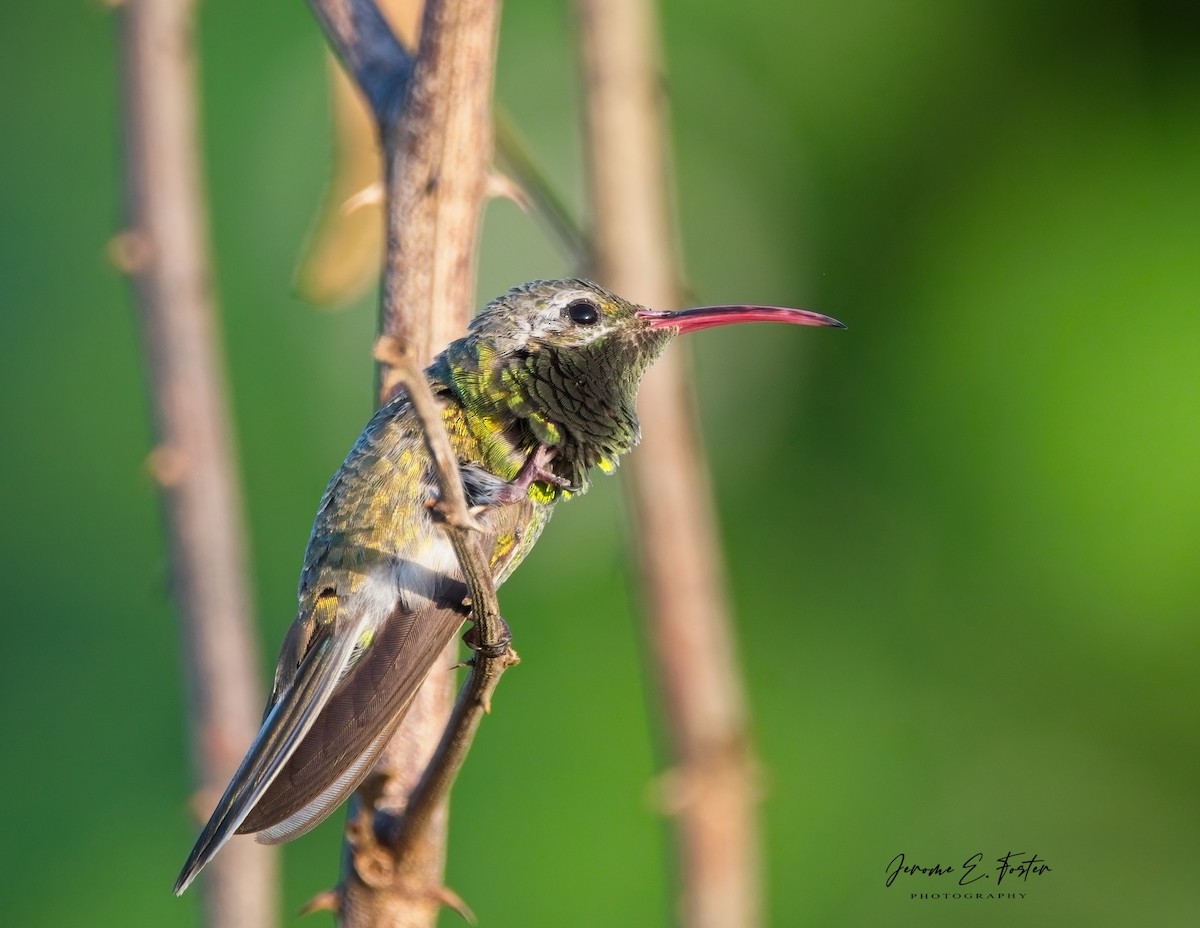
[287, 722]
[324, 733]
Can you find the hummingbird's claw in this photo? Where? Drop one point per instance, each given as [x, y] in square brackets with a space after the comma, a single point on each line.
[499, 649]
[540, 464]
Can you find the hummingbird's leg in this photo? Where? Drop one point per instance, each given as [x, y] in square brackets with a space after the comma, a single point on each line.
[482, 488]
[471, 640]
[534, 470]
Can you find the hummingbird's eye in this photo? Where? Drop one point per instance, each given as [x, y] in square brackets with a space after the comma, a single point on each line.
[583, 312]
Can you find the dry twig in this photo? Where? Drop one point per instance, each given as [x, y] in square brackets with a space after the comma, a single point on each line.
[713, 797]
[492, 652]
[165, 250]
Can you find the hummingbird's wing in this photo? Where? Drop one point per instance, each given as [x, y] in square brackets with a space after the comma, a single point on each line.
[357, 722]
[370, 702]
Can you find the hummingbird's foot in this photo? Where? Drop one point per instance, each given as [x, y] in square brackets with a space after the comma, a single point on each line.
[534, 470]
[499, 649]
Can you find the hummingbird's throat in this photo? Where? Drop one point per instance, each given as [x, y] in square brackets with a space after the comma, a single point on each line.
[578, 403]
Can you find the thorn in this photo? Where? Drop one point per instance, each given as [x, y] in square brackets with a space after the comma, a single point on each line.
[452, 900]
[672, 791]
[202, 802]
[458, 519]
[389, 350]
[465, 521]
[167, 466]
[717, 770]
[328, 901]
[370, 195]
[129, 251]
[502, 187]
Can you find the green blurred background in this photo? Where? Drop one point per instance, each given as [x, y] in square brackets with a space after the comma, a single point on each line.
[963, 536]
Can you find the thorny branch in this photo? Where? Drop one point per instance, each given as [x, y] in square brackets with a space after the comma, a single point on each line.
[165, 250]
[434, 119]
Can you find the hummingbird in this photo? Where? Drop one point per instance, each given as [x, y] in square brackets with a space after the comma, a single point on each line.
[541, 390]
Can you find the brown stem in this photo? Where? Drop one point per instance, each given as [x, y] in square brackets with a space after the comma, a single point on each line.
[434, 118]
[165, 249]
[711, 789]
[437, 152]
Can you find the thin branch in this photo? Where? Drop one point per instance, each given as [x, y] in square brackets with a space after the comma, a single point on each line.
[165, 249]
[343, 254]
[437, 153]
[360, 36]
[491, 639]
[712, 786]
[435, 128]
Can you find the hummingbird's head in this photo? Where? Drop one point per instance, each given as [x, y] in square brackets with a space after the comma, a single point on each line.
[571, 317]
[582, 319]
[564, 358]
